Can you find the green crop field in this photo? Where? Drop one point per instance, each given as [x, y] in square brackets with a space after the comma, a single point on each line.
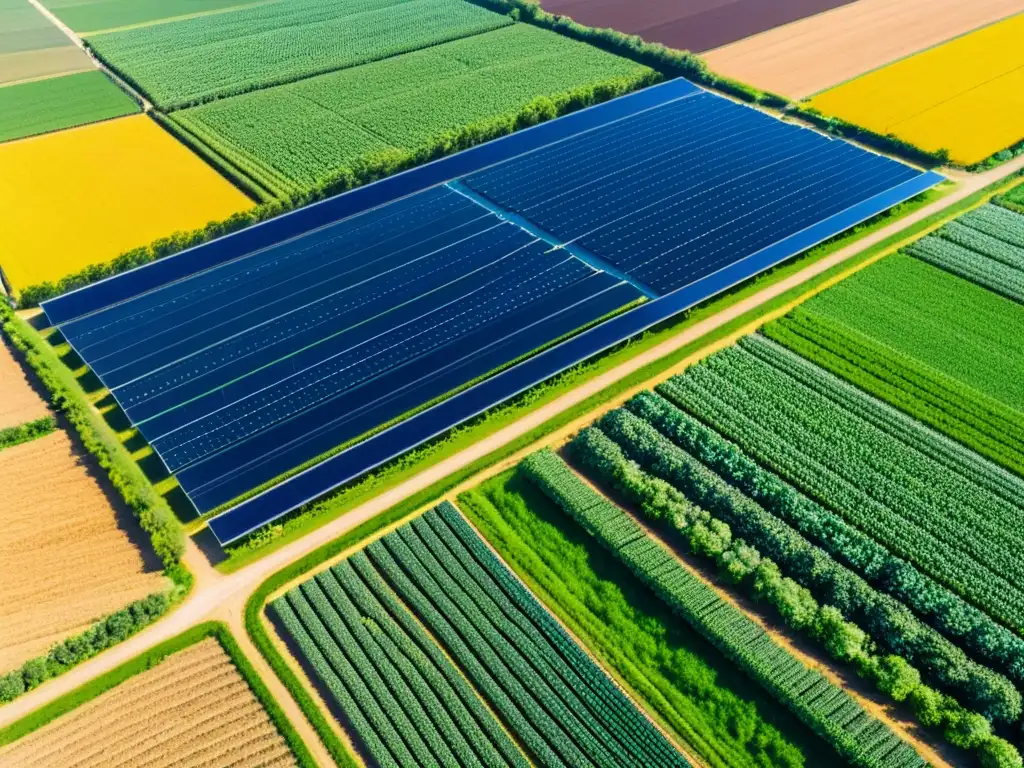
[296, 135]
[189, 61]
[826, 708]
[946, 351]
[925, 498]
[47, 105]
[373, 629]
[86, 16]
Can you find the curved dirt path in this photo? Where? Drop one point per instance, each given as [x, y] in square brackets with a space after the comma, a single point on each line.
[216, 595]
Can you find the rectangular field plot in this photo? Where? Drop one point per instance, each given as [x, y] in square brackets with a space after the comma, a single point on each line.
[41, 106]
[437, 655]
[191, 710]
[32, 48]
[290, 137]
[254, 355]
[675, 194]
[186, 62]
[966, 96]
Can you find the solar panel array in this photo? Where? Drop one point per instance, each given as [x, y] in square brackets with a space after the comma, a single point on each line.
[245, 370]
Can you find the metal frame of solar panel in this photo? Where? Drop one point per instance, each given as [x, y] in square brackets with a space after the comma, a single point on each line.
[264, 360]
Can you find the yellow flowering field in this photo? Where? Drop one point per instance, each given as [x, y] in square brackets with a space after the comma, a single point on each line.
[966, 95]
[85, 195]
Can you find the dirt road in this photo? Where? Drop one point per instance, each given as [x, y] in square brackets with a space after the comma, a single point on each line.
[217, 595]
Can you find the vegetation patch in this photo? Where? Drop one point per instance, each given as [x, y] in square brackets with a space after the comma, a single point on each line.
[28, 109]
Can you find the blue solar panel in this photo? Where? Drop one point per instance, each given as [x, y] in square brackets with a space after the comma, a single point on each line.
[244, 359]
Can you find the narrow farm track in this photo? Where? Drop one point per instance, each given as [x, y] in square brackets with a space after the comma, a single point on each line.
[146, 106]
[217, 595]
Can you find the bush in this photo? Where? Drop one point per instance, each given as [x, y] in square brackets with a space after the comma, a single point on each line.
[28, 431]
[999, 753]
[895, 677]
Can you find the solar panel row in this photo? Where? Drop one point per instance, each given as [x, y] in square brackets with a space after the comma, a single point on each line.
[749, 181]
[253, 366]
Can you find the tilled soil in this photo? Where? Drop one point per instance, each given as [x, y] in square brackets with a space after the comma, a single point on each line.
[19, 402]
[692, 25]
[822, 51]
[193, 710]
[67, 555]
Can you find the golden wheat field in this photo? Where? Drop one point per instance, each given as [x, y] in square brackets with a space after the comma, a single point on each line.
[966, 96]
[192, 710]
[19, 402]
[85, 195]
[66, 557]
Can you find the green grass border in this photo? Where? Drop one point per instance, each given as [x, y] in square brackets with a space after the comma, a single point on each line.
[151, 658]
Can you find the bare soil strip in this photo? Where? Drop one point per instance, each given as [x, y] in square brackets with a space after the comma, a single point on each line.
[67, 555]
[816, 53]
[193, 710]
[692, 25]
[19, 401]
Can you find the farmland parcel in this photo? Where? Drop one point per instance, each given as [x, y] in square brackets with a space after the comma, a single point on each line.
[69, 556]
[822, 51]
[28, 109]
[19, 402]
[291, 137]
[409, 635]
[88, 16]
[966, 96]
[192, 710]
[112, 185]
[186, 62]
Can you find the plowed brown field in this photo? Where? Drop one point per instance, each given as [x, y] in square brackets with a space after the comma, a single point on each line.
[192, 710]
[19, 402]
[67, 556]
[692, 25]
[816, 53]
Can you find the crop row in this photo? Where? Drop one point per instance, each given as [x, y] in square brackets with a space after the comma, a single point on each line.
[944, 610]
[998, 222]
[824, 707]
[987, 245]
[921, 496]
[890, 622]
[979, 269]
[943, 403]
[354, 626]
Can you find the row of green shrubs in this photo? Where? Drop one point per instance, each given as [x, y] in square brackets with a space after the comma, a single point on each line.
[70, 653]
[152, 658]
[28, 431]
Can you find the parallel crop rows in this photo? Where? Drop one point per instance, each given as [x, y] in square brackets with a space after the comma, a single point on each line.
[924, 498]
[971, 265]
[813, 698]
[413, 704]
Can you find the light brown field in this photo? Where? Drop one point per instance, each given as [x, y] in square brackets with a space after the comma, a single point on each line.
[192, 710]
[67, 555]
[19, 402]
[816, 53]
[45, 62]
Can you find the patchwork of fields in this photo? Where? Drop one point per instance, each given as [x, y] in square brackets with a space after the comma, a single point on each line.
[966, 96]
[112, 185]
[192, 710]
[32, 48]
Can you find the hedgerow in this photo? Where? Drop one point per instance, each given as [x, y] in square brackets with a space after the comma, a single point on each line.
[28, 431]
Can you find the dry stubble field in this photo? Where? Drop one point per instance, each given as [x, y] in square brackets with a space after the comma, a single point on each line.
[193, 710]
[819, 52]
[19, 402]
[66, 557]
